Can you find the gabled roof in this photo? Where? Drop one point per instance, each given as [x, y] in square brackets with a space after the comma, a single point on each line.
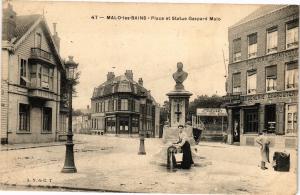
[260, 12]
[23, 24]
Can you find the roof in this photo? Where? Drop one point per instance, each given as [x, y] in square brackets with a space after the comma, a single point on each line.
[23, 24]
[260, 12]
[121, 84]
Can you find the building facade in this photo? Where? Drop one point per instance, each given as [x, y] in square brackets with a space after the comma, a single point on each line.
[262, 85]
[122, 106]
[32, 72]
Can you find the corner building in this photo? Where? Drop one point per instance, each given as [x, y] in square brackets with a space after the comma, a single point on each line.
[33, 109]
[122, 106]
[262, 84]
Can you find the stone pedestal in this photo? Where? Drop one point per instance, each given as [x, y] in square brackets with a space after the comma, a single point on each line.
[179, 103]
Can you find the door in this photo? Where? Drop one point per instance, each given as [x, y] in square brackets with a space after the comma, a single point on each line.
[236, 125]
[124, 125]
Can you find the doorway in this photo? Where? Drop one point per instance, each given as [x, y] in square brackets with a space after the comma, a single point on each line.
[236, 125]
[124, 124]
[270, 118]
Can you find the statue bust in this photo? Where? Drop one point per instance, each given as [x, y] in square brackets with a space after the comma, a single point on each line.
[179, 76]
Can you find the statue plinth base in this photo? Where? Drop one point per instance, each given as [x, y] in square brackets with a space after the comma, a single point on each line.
[179, 102]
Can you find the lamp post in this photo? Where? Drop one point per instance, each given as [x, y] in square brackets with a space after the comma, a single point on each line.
[142, 135]
[71, 72]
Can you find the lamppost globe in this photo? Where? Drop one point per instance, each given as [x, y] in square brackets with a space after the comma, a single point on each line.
[71, 73]
[71, 68]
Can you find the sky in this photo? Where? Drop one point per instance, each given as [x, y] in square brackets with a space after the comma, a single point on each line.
[151, 48]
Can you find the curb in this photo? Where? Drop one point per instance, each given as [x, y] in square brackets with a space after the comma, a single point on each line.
[37, 146]
[66, 188]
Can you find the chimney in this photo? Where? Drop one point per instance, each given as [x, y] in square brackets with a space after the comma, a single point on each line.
[129, 74]
[140, 81]
[56, 37]
[110, 76]
[8, 23]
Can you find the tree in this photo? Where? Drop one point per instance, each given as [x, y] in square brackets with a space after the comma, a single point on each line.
[204, 101]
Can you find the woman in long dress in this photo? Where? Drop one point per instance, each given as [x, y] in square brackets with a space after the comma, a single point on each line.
[264, 143]
[183, 143]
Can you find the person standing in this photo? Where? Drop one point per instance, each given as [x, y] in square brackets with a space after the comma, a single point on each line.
[264, 143]
[183, 143]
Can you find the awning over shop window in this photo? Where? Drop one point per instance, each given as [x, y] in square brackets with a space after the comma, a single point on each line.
[292, 24]
[237, 45]
[271, 72]
[236, 80]
[292, 65]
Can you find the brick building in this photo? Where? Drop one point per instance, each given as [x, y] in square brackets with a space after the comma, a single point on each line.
[32, 75]
[118, 107]
[262, 84]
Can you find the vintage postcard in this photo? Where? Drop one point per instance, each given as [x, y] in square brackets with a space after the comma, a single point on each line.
[186, 98]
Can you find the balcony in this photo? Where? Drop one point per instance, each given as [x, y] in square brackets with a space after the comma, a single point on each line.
[42, 94]
[39, 55]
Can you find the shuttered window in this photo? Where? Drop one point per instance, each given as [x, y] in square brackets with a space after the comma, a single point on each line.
[292, 34]
[271, 78]
[237, 45]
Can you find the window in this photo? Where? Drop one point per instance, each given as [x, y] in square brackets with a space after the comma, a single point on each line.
[291, 118]
[111, 124]
[137, 106]
[110, 105]
[251, 121]
[135, 125]
[291, 75]
[97, 110]
[38, 40]
[236, 83]
[252, 45]
[292, 37]
[124, 87]
[115, 105]
[106, 102]
[251, 82]
[271, 77]
[272, 40]
[237, 50]
[46, 77]
[24, 118]
[23, 69]
[47, 119]
[124, 104]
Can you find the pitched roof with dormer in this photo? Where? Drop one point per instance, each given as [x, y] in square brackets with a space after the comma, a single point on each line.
[121, 84]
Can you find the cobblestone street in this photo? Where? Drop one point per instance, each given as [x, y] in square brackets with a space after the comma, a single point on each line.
[111, 164]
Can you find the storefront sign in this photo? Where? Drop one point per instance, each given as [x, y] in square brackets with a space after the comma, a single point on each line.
[211, 112]
[281, 94]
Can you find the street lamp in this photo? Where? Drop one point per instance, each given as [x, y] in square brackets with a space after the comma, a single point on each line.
[71, 74]
[142, 135]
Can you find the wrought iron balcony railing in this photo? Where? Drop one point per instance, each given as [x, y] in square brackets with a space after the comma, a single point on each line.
[39, 53]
